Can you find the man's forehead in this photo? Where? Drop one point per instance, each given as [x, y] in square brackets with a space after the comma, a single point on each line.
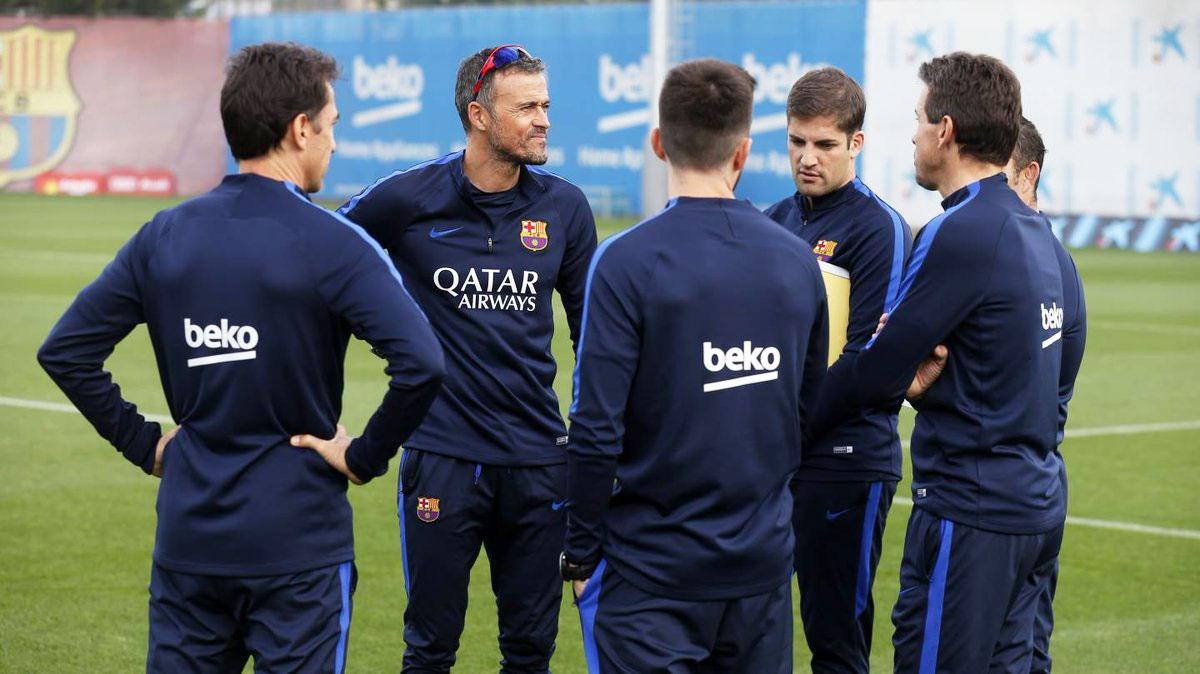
[815, 128]
[531, 86]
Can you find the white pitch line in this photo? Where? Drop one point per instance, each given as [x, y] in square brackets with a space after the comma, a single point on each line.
[1161, 328]
[1126, 429]
[1123, 429]
[1133, 429]
[1106, 524]
[63, 407]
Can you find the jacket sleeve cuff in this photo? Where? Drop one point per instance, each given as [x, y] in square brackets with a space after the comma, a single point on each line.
[141, 451]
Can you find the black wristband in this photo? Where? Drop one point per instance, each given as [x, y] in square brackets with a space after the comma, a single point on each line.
[571, 571]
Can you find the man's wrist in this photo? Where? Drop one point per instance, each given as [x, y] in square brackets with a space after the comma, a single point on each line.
[572, 571]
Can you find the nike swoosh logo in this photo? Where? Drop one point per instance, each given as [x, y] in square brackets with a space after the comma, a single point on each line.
[557, 505]
[437, 234]
[831, 516]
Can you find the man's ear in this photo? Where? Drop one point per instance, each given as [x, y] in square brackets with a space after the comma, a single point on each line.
[299, 131]
[946, 131]
[1031, 173]
[656, 144]
[478, 116]
[741, 154]
[856, 143]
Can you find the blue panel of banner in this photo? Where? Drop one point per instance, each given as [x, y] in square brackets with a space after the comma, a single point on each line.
[396, 95]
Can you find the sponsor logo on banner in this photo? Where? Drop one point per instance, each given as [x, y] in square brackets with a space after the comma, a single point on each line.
[428, 509]
[394, 87]
[39, 108]
[632, 83]
[77, 184]
[533, 235]
[1040, 45]
[1168, 45]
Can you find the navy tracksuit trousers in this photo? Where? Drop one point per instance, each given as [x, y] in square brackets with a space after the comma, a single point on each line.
[970, 598]
[448, 509]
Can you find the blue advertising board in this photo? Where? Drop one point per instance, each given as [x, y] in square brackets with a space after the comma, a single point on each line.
[396, 95]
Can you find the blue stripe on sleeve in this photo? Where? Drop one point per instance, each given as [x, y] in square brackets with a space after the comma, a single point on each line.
[362, 233]
[444, 159]
[921, 250]
[898, 228]
[933, 607]
[587, 297]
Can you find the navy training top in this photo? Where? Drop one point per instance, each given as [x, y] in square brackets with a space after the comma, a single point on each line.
[486, 283]
[852, 228]
[704, 339]
[984, 279]
[250, 294]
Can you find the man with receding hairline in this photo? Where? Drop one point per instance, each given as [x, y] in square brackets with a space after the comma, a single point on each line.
[485, 237]
[847, 477]
[983, 297]
[704, 337]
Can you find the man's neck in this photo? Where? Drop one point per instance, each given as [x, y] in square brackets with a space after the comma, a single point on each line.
[485, 170]
[274, 166]
[963, 172]
[685, 183]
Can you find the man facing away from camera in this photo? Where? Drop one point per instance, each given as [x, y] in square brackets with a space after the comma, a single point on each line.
[704, 338]
[250, 294]
[1024, 171]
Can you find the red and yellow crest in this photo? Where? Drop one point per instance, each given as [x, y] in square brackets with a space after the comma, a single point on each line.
[428, 509]
[824, 249]
[533, 235]
[38, 106]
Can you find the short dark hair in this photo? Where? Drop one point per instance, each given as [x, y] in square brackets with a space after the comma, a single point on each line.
[982, 96]
[704, 110]
[828, 92]
[1029, 149]
[468, 73]
[266, 86]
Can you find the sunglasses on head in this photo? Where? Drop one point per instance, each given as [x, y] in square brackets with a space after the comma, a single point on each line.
[500, 57]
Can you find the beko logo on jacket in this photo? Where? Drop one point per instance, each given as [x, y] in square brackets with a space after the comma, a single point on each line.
[489, 289]
[1052, 319]
[224, 335]
[746, 358]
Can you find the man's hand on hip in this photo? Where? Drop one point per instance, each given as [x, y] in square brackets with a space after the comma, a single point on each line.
[332, 450]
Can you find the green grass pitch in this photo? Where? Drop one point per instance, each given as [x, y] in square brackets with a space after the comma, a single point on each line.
[77, 522]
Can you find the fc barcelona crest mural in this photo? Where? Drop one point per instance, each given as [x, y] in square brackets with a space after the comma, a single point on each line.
[39, 108]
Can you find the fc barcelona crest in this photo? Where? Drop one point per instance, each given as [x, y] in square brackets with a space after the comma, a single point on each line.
[824, 249]
[428, 509]
[533, 235]
[38, 105]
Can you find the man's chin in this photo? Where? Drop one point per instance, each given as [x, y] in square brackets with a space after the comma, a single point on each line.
[812, 190]
[536, 157]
